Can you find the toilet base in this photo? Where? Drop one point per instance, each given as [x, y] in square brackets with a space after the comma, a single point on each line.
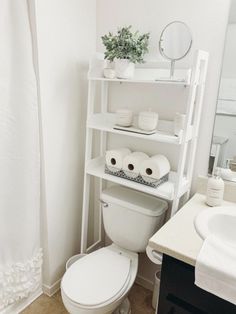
[124, 308]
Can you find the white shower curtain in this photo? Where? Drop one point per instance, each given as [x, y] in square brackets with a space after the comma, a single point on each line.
[20, 254]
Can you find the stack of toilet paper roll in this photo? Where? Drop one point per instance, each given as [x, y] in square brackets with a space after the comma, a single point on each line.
[137, 164]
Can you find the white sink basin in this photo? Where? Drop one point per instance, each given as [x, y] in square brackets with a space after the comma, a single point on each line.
[217, 221]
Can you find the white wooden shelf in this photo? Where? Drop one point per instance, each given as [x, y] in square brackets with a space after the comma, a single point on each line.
[106, 122]
[95, 167]
[156, 73]
[144, 75]
[156, 81]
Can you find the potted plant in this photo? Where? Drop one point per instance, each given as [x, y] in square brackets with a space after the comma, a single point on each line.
[125, 48]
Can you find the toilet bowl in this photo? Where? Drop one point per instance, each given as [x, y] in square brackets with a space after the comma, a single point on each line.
[99, 282]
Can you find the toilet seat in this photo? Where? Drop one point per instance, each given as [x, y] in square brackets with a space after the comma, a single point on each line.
[98, 278]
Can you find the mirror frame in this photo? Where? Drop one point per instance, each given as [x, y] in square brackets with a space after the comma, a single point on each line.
[160, 41]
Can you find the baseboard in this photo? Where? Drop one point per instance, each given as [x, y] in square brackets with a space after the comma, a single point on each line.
[144, 282]
[19, 307]
[51, 290]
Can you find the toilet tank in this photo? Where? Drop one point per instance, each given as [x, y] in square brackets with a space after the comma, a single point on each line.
[131, 217]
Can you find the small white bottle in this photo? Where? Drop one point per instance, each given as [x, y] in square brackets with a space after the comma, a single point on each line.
[215, 189]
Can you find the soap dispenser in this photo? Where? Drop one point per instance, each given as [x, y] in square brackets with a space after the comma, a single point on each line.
[215, 189]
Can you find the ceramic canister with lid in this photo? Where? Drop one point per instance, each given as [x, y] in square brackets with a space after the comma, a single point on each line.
[147, 120]
[124, 117]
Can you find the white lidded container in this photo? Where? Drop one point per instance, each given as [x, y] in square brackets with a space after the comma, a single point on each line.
[147, 120]
[131, 217]
[124, 117]
[215, 189]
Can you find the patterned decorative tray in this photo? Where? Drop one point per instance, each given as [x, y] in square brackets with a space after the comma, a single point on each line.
[139, 179]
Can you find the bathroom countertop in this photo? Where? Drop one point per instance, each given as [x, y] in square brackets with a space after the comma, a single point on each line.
[178, 237]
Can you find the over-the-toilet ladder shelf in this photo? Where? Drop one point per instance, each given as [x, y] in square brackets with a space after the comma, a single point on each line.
[180, 181]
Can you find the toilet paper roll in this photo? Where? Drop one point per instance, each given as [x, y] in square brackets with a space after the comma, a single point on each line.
[154, 168]
[154, 256]
[131, 163]
[114, 158]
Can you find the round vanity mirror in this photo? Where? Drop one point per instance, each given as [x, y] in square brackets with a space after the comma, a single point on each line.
[175, 42]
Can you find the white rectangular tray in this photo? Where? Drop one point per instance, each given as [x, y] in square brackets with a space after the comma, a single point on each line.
[134, 129]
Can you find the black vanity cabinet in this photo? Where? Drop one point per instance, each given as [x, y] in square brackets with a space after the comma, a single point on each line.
[179, 294]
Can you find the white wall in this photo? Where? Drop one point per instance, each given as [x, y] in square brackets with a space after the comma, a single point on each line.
[66, 40]
[207, 20]
[229, 64]
[232, 16]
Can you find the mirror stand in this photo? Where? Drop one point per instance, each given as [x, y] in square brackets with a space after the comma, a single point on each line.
[172, 69]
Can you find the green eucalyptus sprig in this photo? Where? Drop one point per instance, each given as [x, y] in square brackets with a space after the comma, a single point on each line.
[126, 45]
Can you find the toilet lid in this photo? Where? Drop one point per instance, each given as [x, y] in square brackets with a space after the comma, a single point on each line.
[97, 278]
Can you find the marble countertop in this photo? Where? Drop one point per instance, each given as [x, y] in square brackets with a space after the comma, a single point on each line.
[178, 238]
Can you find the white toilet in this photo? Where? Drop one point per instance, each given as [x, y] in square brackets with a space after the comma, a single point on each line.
[99, 282]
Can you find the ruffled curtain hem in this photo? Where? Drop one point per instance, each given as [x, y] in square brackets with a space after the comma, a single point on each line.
[19, 280]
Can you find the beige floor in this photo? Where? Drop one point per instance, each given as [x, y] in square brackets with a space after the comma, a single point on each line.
[139, 297]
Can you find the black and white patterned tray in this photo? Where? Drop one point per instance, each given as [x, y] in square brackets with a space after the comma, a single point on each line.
[139, 179]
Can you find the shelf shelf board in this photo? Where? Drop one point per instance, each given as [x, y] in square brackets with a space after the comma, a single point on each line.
[134, 80]
[95, 167]
[106, 122]
[152, 73]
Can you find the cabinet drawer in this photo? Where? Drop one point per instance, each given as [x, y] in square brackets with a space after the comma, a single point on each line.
[173, 305]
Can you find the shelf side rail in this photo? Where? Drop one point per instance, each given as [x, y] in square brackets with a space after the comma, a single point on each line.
[203, 65]
[87, 178]
[193, 115]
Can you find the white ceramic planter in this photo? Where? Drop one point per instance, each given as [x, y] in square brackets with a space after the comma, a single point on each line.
[124, 68]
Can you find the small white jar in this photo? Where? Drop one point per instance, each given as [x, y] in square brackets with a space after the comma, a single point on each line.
[147, 120]
[179, 123]
[124, 117]
[109, 73]
[215, 189]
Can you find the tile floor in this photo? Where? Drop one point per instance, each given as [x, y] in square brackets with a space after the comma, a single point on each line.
[139, 297]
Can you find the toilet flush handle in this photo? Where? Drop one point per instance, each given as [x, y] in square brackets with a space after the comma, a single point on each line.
[104, 204]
